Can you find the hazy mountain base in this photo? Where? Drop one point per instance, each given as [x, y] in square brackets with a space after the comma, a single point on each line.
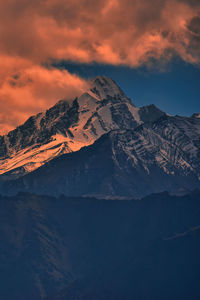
[81, 248]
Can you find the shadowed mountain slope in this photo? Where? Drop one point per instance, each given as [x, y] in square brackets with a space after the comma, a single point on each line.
[81, 248]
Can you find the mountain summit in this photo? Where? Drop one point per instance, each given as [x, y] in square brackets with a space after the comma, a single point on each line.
[104, 87]
[100, 144]
[70, 125]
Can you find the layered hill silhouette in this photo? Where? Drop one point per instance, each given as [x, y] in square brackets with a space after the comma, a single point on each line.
[86, 248]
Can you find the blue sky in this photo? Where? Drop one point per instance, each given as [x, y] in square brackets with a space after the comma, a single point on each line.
[175, 89]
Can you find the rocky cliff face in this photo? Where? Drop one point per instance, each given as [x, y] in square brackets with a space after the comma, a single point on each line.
[100, 145]
[107, 148]
[154, 157]
[69, 126]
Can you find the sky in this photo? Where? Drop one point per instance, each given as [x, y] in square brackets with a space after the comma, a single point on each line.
[49, 48]
[175, 90]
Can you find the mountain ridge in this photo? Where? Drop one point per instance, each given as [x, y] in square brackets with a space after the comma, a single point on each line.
[151, 158]
[70, 125]
[101, 145]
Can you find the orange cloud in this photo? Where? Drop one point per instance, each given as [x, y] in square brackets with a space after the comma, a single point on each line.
[32, 89]
[103, 30]
[129, 32]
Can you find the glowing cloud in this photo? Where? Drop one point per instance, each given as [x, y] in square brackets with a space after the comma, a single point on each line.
[128, 32]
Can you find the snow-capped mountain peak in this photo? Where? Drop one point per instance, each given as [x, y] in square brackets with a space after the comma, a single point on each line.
[104, 87]
[70, 125]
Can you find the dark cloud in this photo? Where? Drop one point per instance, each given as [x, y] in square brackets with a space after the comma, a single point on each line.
[193, 46]
[194, 25]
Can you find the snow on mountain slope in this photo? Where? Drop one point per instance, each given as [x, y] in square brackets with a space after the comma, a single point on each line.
[154, 157]
[197, 116]
[171, 143]
[70, 125]
[33, 157]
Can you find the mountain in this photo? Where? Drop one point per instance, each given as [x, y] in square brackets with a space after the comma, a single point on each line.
[84, 248]
[101, 145]
[196, 115]
[70, 125]
[154, 157]
[79, 246]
